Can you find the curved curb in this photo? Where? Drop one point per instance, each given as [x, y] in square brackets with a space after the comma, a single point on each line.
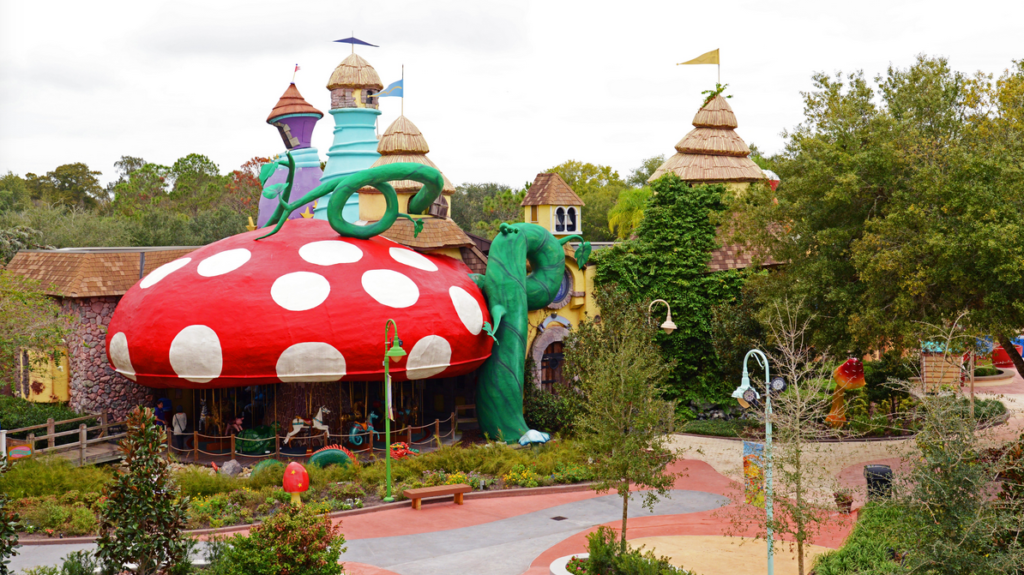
[494, 494]
[558, 566]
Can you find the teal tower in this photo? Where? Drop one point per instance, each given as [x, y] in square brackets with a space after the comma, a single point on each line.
[354, 86]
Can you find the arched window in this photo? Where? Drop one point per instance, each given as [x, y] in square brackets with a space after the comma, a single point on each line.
[560, 220]
[571, 225]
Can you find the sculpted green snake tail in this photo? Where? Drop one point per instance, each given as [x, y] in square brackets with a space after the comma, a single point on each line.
[510, 291]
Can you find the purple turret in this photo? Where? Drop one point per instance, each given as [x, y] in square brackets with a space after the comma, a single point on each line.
[294, 119]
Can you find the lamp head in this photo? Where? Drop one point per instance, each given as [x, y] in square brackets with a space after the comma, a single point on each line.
[668, 327]
[745, 394]
[396, 350]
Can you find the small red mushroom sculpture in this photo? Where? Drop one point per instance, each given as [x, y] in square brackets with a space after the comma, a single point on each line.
[296, 481]
[303, 305]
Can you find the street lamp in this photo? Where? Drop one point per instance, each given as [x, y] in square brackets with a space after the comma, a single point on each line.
[668, 326]
[747, 396]
[394, 352]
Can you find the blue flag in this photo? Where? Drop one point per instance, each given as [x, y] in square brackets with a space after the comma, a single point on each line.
[395, 90]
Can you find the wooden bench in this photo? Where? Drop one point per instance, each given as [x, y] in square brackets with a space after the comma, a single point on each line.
[422, 493]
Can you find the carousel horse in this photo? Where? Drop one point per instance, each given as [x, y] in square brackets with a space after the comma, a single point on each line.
[300, 423]
[204, 414]
[234, 426]
[360, 429]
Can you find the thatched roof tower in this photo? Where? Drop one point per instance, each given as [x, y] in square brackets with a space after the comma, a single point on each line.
[354, 72]
[292, 102]
[403, 142]
[712, 151]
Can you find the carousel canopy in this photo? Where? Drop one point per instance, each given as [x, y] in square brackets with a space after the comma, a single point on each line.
[304, 305]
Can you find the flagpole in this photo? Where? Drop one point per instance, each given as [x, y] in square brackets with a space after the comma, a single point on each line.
[403, 89]
[293, 73]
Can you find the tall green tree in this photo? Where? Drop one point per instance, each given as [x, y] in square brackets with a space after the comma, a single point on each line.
[638, 176]
[197, 186]
[72, 185]
[627, 213]
[503, 206]
[625, 425]
[900, 203]
[29, 319]
[668, 260]
[467, 206]
[13, 193]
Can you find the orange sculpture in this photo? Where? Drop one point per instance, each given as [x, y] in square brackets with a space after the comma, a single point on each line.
[848, 376]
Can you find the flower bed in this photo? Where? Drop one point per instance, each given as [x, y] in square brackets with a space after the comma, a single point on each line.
[52, 509]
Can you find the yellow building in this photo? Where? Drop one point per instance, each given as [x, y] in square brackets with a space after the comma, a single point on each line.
[42, 380]
[552, 204]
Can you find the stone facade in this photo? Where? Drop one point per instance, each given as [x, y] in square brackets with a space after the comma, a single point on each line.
[354, 98]
[95, 387]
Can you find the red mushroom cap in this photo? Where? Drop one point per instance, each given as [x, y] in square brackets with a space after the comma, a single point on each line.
[296, 478]
[303, 305]
[850, 375]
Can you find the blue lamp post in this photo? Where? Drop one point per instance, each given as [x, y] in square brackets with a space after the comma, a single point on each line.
[747, 396]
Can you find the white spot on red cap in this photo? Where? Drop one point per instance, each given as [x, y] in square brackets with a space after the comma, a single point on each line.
[311, 361]
[299, 291]
[119, 355]
[468, 309]
[163, 271]
[412, 259]
[332, 252]
[391, 288]
[224, 262]
[429, 357]
[196, 355]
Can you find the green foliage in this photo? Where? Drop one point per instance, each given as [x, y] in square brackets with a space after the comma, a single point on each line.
[867, 549]
[599, 187]
[891, 196]
[467, 205]
[627, 213]
[607, 557]
[986, 371]
[145, 514]
[13, 193]
[621, 375]
[722, 428]
[199, 482]
[502, 206]
[553, 411]
[29, 320]
[53, 476]
[18, 238]
[9, 521]
[290, 542]
[669, 260]
[638, 176]
[72, 185]
[16, 412]
[709, 95]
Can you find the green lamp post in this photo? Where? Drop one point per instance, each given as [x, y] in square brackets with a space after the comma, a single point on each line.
[747, 396]
[393, 351]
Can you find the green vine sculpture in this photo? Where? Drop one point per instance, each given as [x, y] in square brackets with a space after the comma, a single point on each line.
[510, 291]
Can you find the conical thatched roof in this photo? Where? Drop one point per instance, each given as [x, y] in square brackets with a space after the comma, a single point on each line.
[292, 102]
[712, 151]
[402, 137]
[354, 72]
[403, 142]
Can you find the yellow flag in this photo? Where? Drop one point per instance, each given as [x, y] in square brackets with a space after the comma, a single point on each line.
[708, 58]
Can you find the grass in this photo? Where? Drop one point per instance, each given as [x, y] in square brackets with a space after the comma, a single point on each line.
[866, 551]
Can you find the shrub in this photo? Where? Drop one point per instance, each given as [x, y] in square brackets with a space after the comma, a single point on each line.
[721, 427]
[8, 523]
[20, 413]
[78, 563]
[53, 475]
[294, 541]
[198, 482]
[607, 558]
[522, 476]
[144, 516]
[867, 549]
[82, 521]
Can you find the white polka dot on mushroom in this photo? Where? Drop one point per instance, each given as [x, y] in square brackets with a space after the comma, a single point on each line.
[468, 309]
[412, 259]
[119, 355]
[224, 262]
[196, 354]
[162, 272]
[429, 357]
[329, 253]
[300, 291]
[311, 361]
[391, 288]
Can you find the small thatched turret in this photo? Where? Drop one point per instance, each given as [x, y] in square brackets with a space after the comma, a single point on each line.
[712, 151]
[354, 84]
[403, 142]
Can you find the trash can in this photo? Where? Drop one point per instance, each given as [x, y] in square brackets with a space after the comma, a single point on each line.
[879, 479]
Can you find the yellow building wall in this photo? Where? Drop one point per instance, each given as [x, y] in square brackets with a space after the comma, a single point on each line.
[373, 206]
[48, 381]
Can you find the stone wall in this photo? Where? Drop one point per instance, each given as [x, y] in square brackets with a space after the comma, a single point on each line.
[95, 387]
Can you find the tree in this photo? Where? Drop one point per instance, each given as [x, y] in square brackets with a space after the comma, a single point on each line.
[197, 186]
[13, 193]
[141, 189]
[242, 193]
[29, 320]
[891, 202]
[144, 515]
[503, 206]
[625, 425]
[64, 227]
[72, 185]
[638, 176]
[627, 213]
[802, 486]
[669, 260]
[599, 187]
[467, 205]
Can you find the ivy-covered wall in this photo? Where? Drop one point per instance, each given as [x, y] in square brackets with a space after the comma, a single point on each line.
[668, 260]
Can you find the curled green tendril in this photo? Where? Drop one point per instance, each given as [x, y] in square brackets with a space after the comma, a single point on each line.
[342, 189]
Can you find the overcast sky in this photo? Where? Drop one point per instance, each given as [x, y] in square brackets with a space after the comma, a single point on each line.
[501, 90]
